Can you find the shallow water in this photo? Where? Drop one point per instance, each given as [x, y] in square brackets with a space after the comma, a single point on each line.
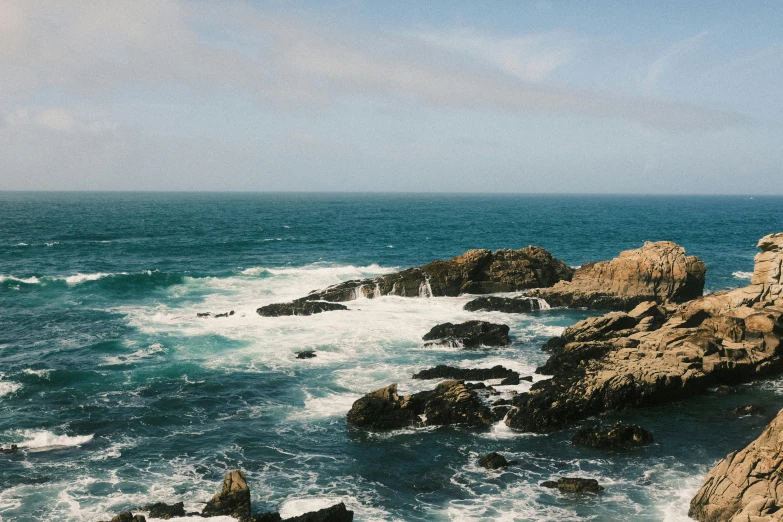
[118, 395]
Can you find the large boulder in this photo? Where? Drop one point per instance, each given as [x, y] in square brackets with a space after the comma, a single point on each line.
[336, 513]
[747, 485]
[474, 272]
[233, 500]
[451, 402]
[467, 374]
[658, 271]
[470, 334]
[507, 305]
[298, 308]
[574, 485]
[655, 354]
[493, 461]
[619, 436]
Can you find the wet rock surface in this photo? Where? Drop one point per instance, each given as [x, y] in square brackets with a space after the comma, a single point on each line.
[574, 485]
[298, 308]
[658, 271]
[466, 374]
[493, 461]
[508, 305]
[166, 511]
[618, 436]
[451, 402]
[470, 334]
[336, 513]
[127, 517]
[233, 500]
[306, 354]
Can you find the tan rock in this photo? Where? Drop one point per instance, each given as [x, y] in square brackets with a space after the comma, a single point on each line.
[768, 269]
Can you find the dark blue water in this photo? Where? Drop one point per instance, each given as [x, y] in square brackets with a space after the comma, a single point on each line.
[119, 395]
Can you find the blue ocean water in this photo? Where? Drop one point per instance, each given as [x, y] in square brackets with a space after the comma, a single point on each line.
[120, 396]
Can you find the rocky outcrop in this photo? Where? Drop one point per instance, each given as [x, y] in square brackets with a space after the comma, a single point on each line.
[655, 354]
[233, 500]
[507, 305]
[474, 272]
[451, 402]
[747, 485]
[470, 334]
[768, 268]
[619, 436]
[574, 485]
[659, 272]
[165, 511]
[128, 517]
[298, 308]
[493, 461]
[336, 513]
[466, 374]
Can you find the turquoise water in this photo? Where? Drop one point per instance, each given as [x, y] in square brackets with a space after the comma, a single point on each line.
[119, 395]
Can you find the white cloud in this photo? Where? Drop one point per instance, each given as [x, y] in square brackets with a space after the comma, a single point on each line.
[669, 58]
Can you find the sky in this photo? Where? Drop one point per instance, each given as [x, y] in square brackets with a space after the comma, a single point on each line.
[657, 97]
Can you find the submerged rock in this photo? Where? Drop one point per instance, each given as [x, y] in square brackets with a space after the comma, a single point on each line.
[209, 314]
[336, 513]
[508, 305]
[466, 374]
[165, 511]
[451, 402]
[747, 485]
[233, 500]
[656, 354]
[750, 409]
[659, 272]
[470, 334]
[128, 517]
[574, 485]
[298, 308]
[305, 354]
[493, 461]
[616, 437]
[12, 449]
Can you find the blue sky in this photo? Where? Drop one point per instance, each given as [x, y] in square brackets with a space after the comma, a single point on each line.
[573, 97]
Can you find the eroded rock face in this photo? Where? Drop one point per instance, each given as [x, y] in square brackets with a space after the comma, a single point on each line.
[768, 269]
[466, 374]
[619, 436]
[659, 272]
[470, 334]
[655, 354]
[747, 485]
[451, 402]
[298, 308]
[507, 305]
[233, 500]
[474, 272]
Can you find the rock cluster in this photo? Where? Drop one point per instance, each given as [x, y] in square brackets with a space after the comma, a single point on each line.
[618, 436]
[657, 271]
[466, 374]
[470, 334]
[451, 402]
[298, 308]
[474, 272]
[747, 485]
[507, 305]
[660, 353]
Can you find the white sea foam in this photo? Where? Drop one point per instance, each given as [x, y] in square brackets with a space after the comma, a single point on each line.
[135, 357]
[26, 280]
[81, 278]
[42, 440]
[7, 387]
[43, 374]
[742, 275]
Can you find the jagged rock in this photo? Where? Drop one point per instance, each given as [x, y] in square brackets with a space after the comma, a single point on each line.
[336, 513]
[510, 381]
[493, 461]
[574, 485]
[166, 511]
[451, 402]
[128, 517]
[470, 334]
[747, 485]
[618, 436]
[12, 449]
[508, 305]
[750, 409]
[233, 500]
[624, 360]
[474, 272]
[298, 308]
[659, 272]
[768, 268]
[466, 374]
[305, 354]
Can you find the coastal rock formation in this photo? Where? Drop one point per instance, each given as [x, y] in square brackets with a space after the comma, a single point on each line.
[656, 354]
[747, 485]
[165, 511]
[508, 305]
[466, 374]
[470, 334]
[336, 513]
[233, 500]
[298, 308]
[451, 402]
[768, 267]
[616, 437]
[474, 272]
[659, 272]
[493, 461]
[128, 517]
[574, 485]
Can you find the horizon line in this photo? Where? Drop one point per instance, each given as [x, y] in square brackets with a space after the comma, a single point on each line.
[385, 192]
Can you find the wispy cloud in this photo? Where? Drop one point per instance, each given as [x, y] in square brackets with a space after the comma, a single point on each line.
[669, 59]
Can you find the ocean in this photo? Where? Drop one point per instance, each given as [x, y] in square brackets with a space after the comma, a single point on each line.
[118, 395]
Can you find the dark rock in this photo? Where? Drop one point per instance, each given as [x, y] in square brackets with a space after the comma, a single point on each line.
[265, 517]
[477, 386]
[549, 484]
[305, 354]
[724, 389]
[128, 517]
[233, 500]
[618, 436]
[493, 461]
[225, 314]
[508, 305]
[502, 402]
[578, 485]
[13, 449]
[554, 343]
[509, 381]
[336, 513]
[451, 402]
[470, 334]
[466, 374]
[750, 409]
[528, 378]
[166, 511]
[499, 412]
[298, 308]
[204, 314]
